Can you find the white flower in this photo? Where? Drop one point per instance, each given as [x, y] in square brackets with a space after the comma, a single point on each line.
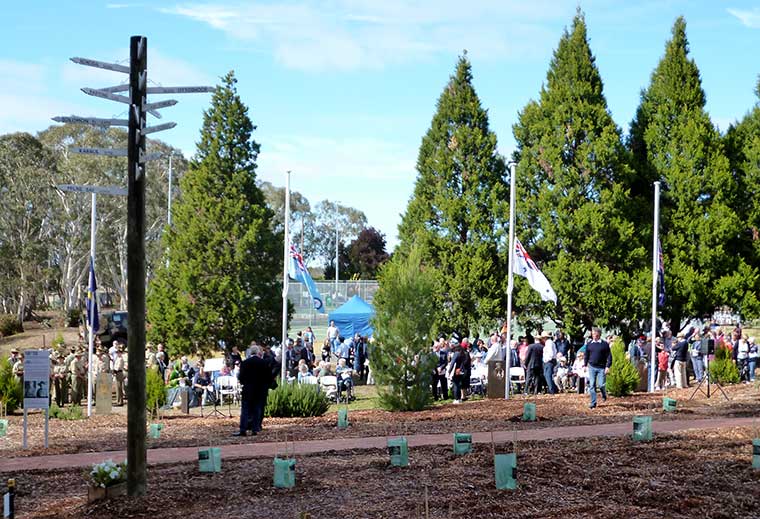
[114, 474]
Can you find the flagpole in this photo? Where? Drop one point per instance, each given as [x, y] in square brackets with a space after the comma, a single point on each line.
[655, 258]
[286, 257]
[510, 275]
[91, 313]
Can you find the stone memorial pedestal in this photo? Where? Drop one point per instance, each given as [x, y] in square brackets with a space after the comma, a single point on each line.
[497, 371]
[103, 394]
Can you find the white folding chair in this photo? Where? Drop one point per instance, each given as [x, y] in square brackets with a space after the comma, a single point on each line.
[227, 386]
[329, 383]
[516, 377]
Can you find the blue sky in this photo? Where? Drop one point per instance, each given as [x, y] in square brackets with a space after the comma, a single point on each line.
[342, 91]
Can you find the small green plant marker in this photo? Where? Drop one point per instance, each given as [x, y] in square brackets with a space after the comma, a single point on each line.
[398, 451]
[462, 443]
[3, 427]
[505, 466]
[642, 428]
[342, 418]
[669, 404]
[529, 412]
[284, 472]
[210, 459]
[756, 453]
[155, 430]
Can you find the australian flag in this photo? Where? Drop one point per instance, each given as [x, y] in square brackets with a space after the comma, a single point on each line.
[92, 303]
[298, 272]
[660, 276]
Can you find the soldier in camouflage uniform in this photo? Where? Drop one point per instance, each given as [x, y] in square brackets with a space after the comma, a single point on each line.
[78, 377]
[67, 388]
[59, 380]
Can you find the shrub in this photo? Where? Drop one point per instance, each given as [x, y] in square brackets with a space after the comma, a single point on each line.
[11, 394]
[155, 391]
[9, 325]
[58, 342]
[73, 412]
[722, 369]
[296, 400]
[623, 377]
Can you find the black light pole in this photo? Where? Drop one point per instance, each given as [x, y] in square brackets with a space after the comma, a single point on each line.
[136, 415]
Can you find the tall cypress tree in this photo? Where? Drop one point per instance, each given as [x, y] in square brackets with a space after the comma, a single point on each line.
[221, 282]
[571, 202]
[674, 141]
[458, 210]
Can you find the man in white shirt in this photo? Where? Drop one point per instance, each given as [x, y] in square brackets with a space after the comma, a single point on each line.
[334, 335]
[550, 360]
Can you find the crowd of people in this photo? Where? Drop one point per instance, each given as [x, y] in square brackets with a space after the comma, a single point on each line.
[551, 363]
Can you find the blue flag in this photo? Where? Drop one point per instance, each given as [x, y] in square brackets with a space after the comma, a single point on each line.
[298, 272]
[92, 304]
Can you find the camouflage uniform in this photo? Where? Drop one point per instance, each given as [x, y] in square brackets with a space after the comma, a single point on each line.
[78, 378]
[59, 381]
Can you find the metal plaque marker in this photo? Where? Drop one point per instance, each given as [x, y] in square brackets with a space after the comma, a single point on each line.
[107, 152]
[115, 67]
[94, 121]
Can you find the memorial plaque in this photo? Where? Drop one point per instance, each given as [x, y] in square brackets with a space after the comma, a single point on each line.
[184, 401]
[103, 394]
[497, 370]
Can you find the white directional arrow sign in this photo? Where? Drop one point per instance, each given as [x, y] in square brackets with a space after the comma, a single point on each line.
[160, 104]
[94, 121]
[114, 97]
[106, 152]
[113, 89]
[150, 156]
[159, 128]
[180, 90]
[101, 64]
[104, 190]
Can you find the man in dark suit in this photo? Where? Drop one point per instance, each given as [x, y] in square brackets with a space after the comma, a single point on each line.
[256, 378]
[534, 361]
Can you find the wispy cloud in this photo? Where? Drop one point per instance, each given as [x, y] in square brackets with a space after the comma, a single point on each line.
[750, 18]
[352, 34]
[27, 104]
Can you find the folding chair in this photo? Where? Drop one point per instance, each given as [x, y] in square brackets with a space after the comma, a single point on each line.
[517, 378]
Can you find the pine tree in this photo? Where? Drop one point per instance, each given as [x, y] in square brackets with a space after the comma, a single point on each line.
[674, 141]
[221, 283]
[459, 208]
[405, 313]
[571, 202]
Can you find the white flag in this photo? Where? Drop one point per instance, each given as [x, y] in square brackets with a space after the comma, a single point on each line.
[525, 267]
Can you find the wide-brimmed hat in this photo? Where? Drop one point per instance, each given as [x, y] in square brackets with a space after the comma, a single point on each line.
[14, 350]
[545, 335]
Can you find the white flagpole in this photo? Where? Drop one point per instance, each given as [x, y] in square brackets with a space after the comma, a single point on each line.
[285, 259]
[655, 265]
[91, 316]
[510, 276]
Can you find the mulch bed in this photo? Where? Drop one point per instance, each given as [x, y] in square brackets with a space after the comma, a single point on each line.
[103, 433]
[685, 475]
